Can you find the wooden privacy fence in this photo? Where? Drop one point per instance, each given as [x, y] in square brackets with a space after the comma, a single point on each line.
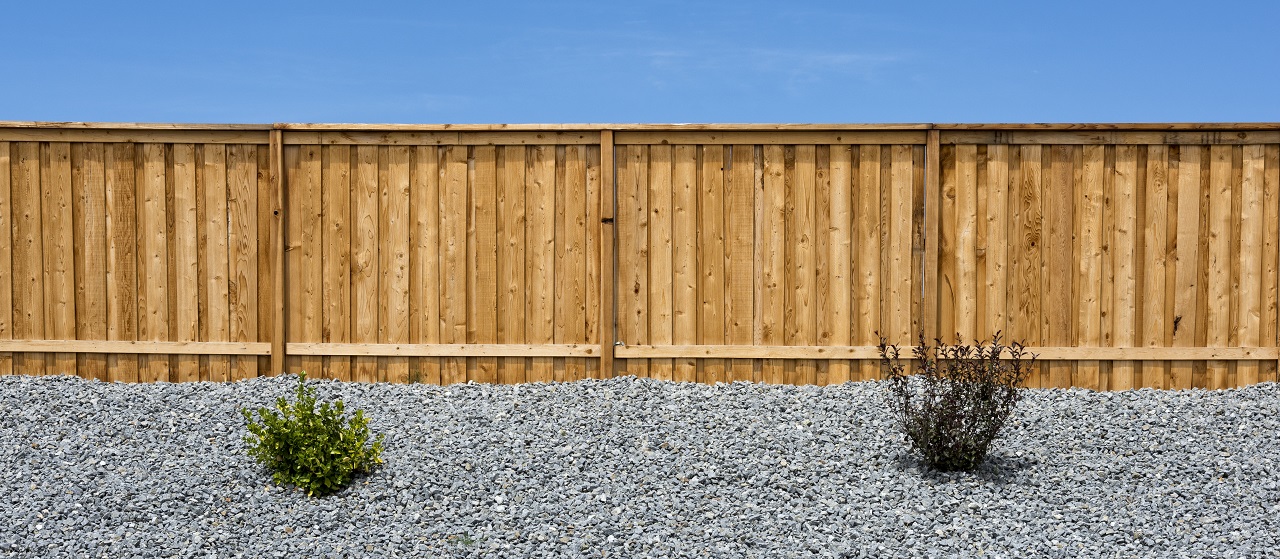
[1125, 255]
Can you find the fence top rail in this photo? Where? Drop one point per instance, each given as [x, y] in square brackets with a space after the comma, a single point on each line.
[1103, 126]
[753, 127]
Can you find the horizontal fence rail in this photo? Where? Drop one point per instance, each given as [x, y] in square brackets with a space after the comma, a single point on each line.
[1123, 255]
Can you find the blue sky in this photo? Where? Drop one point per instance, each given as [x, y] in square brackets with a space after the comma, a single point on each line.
[636, 61]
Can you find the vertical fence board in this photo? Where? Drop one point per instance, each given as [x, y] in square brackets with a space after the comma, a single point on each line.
[1219, 272]
[839, 259]
[28, 255]
[364, 258]
[186, 290]
[482, 319]
[684, 257]
[6, 257]
[661, 286]
[900, 242]
[540, 200]
[1124, 303]
[711, 258]
[91, 252]
[511, 261]
[242, 244]
[593, 228]
[1155, 257]
[948, 282]
[336, 238]
[771, 243]
[996, 240]
[59, 258]
[801, 233]
[1250, 258]
[966, 215]
[122, 271]
[868, 235]
[1270, 258]
[425, 212]
[1028, 270]
[1058, 262]
[217, 266]
[307, 280]
[153, 254]
[1187, 221]
[571, 242]
[633, 251]
[821, 269]
[270, 252]
[394, 255]
[740, 257]
[1089, 208]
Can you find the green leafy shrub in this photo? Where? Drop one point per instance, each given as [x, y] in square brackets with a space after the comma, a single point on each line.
[959, 400]
[310, 447]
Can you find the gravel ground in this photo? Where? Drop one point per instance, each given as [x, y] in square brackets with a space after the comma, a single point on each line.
[636, 468]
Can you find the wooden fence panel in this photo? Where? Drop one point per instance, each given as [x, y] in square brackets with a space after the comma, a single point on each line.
[105, 240]
[790, 218]
[454, 244]
[1114, 246]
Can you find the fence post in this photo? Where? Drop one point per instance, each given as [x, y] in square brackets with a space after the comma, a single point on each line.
[608, 295]
[932, 198]
[277, 250]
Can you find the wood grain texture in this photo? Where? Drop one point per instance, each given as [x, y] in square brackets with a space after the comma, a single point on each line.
[771, 243]
[900, 243]
[633, 251]
[995, 244]
[393, 253]
[425, 213]
[1156, 250]
[242, 258]
[1270, 322]
[511, 260]
[839, 258]
[1218, 319]
[336, 240]
[661, 275]
[88, 173]
[6, 257]
[186, 288]
[216, 256]
[608, 331]
[711, 294]
[1088, 290]
[122, 271]
[365, 233]
[153, 253]
[595, 275]
[482, 307]
[869, 273]
[1025, 294]
[277, 195]
[684, 257]
[1125, 256]
[1186, 269]
[571, 263]
[1250, 258]
[540, 200]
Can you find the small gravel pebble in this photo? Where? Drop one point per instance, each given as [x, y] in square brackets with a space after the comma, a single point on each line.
[636, 468]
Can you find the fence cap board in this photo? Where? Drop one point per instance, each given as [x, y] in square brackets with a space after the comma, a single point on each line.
[1136, 126]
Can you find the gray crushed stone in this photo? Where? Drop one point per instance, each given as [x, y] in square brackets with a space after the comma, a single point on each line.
[637, 468]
